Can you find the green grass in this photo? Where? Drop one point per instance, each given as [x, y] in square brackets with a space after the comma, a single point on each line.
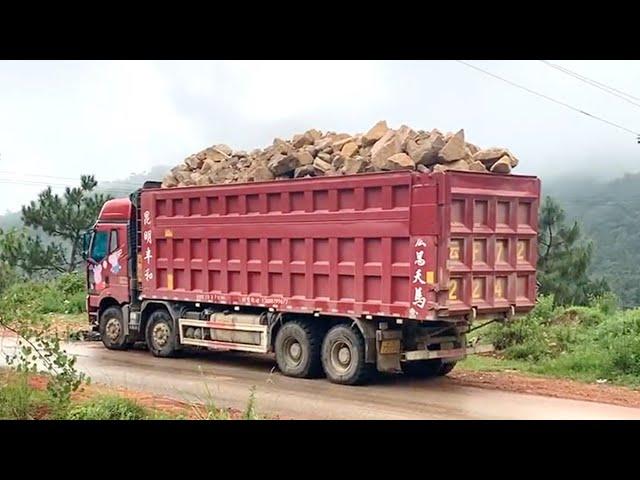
[108, 407]
[484, 363]
[596, 342]
[250, 410]
[18, 400]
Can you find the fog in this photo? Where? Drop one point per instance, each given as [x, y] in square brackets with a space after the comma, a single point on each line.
[59, 119]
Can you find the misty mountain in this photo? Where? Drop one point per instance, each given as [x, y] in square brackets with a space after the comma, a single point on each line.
[116, 188]
[610, 216]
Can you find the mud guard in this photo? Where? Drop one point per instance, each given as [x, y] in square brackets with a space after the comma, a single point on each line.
[368, 330]
[387, 362]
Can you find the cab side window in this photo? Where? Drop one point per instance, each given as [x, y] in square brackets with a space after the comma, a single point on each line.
[99, 247]
[113, 243]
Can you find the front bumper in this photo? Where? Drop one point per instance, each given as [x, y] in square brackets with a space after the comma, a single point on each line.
[452, 354]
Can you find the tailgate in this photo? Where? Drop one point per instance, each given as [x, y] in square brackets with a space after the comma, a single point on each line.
[489, 243]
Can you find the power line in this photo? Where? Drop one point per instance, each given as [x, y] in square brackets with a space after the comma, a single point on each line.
[4, 172]
[546, 97]
[57, 185]
[594, 83]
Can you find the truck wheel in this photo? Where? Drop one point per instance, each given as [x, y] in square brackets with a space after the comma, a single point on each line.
[343, 356]
[298, 349]
[427, 368]
[160, 334]
[112, 329]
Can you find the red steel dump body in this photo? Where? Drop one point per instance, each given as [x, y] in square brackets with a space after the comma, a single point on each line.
[402, 244]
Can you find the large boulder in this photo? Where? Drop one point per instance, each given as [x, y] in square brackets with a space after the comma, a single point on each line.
[260, 173]
[282, 164]
[405, 134]
[502, 166]
[375, 133]
[454, 149]
[304, 171]
[489, 156]
[457, 165]
[476, 166]
[426, 153]
[349, 149]
[300, 141]
[321, 166]
[400, 161]
[304, 157]
[354, 165]
[384, 148]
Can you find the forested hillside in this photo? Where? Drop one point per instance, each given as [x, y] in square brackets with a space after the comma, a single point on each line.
[610, 215]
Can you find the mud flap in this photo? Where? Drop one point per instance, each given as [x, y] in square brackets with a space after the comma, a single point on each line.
[125, 320]
[388, 350]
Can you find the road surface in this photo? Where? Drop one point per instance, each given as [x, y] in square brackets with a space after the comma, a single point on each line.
[228, 378]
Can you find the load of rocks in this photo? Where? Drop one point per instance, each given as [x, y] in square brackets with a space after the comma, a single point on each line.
[314, 153]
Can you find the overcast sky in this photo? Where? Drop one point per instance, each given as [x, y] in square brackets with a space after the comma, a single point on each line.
[64, 118]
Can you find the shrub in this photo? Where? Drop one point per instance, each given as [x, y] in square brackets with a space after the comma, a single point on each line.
[598, 341]
[22, 306]
[64, 294]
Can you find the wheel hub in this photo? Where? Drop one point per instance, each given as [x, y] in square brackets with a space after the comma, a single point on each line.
[341, 356]
[112, 329]
[295, 350]
[344, 356]
[160, 334]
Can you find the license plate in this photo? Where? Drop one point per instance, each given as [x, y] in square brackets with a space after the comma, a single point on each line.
[389, 346]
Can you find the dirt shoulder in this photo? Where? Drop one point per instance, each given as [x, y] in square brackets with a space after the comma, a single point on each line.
[549, 387]
[168, 408]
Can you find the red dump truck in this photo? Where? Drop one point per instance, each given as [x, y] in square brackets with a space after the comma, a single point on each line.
[338, 276]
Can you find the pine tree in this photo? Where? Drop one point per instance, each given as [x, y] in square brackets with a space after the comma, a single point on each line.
[564, 259]
[64, 219]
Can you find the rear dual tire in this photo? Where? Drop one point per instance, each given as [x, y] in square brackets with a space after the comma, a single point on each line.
[343, 356]
[297, 349]
[302, 352]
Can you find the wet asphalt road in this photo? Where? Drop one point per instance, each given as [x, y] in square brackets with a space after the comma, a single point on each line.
[228, 378]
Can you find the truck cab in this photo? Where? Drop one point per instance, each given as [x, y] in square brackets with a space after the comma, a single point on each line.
[109, 265]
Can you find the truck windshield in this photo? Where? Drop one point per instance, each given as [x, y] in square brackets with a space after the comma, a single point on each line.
[100, 245]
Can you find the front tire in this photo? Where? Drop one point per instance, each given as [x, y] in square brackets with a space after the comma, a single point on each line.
[343, 356]
[298, 349]
[111, 329]
[160, 335]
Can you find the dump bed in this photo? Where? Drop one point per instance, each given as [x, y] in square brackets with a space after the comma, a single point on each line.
[402, 244]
